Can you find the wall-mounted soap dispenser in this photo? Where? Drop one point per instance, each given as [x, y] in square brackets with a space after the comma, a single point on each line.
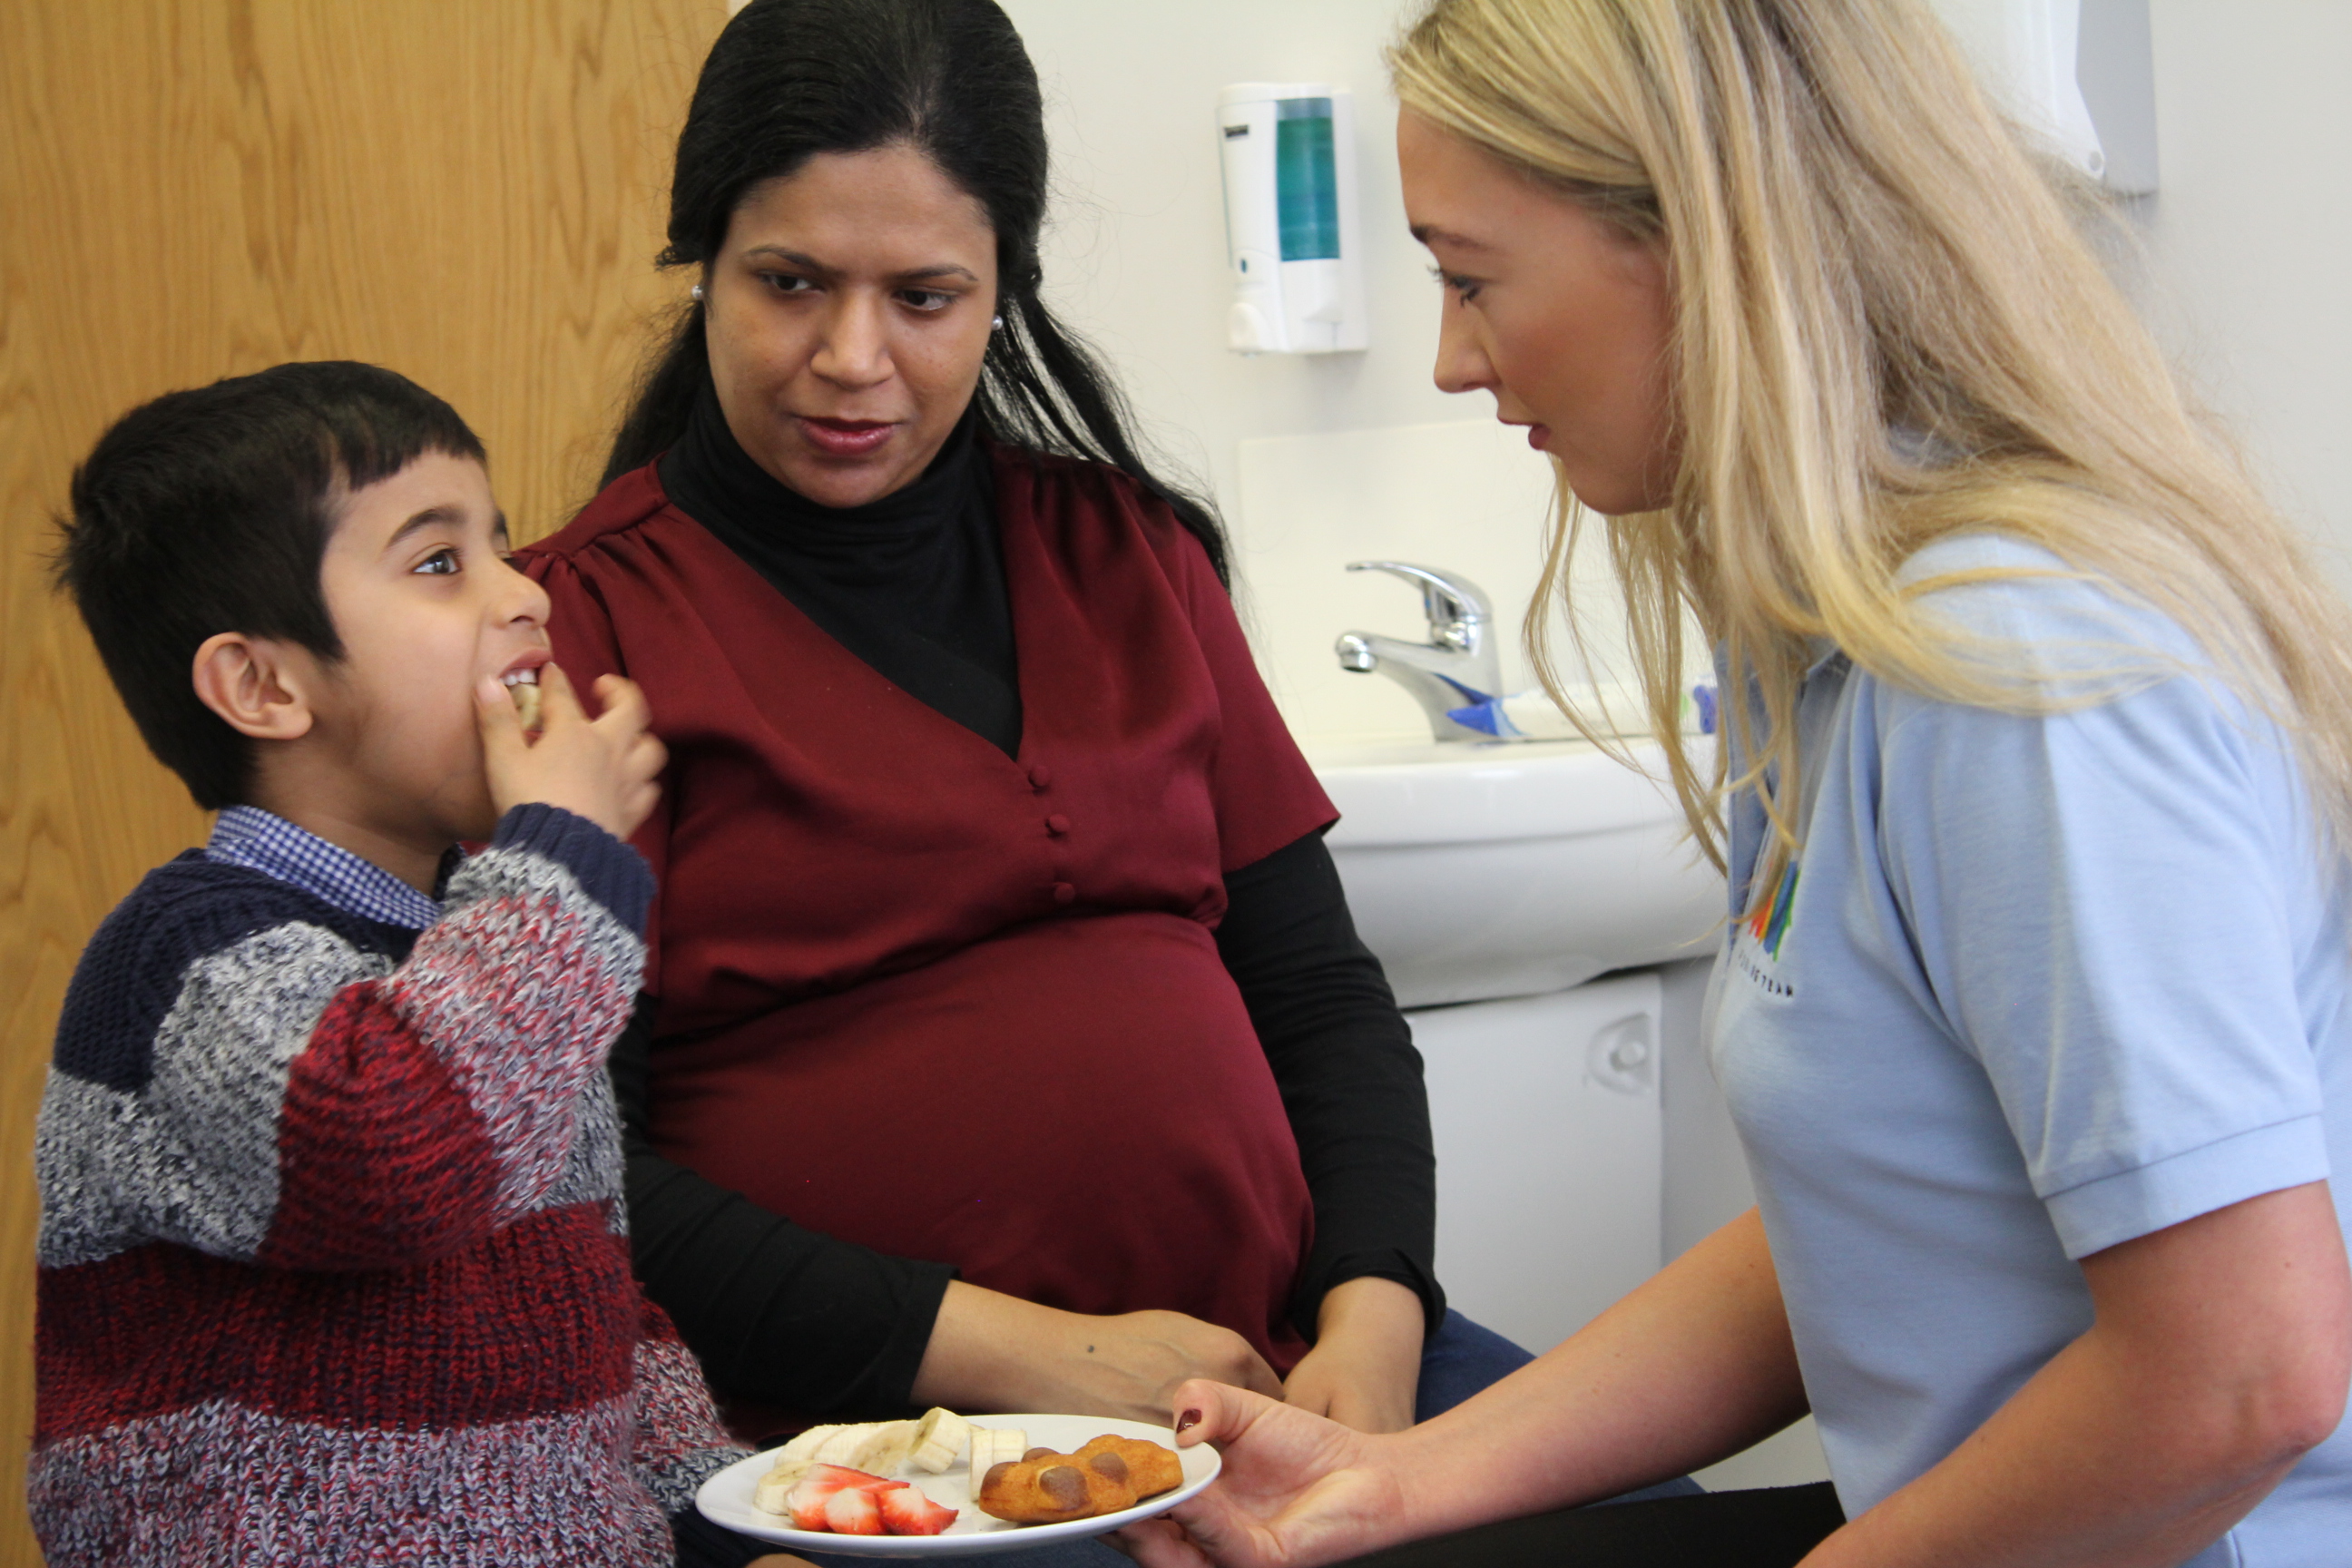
[1292, 233]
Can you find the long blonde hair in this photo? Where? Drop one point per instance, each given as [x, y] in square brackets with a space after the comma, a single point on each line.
[1889, 329]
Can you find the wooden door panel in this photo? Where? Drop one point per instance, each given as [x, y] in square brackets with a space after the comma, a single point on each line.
[470, 192]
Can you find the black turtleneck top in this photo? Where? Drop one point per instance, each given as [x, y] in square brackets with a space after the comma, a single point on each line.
[914, 584]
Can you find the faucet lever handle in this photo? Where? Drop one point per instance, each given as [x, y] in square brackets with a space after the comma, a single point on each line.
[1452, 603]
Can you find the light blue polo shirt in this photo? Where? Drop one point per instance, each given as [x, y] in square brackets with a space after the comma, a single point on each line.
[2036, 987]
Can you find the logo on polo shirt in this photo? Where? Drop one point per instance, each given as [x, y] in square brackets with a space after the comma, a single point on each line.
[1768, 921]
[1767, 925]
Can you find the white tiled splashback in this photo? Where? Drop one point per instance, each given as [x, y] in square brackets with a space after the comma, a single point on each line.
[1471, 496]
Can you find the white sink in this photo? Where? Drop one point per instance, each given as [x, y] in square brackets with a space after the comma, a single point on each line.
[1512, 869]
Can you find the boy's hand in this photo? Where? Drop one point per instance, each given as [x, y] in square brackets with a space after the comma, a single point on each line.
[603, 769]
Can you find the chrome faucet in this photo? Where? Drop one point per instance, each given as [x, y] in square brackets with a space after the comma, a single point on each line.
[1458, 666]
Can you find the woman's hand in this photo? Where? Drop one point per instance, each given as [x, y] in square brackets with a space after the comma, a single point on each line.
[994, 1351]
[1365, 1368]
[1296, 1490]
[1692, 1367]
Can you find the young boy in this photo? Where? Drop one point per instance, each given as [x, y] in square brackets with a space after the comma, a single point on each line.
[332, 1265]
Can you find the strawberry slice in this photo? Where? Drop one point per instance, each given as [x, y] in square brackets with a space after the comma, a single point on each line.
[806, 1505]
[852, 1511]
[908, 1512]
[807, 1513]
[863, 1480]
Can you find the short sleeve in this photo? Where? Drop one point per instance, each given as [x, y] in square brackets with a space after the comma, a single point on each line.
[2105, 902]
[1265, 794]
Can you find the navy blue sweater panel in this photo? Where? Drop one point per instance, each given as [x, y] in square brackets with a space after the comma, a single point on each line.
[609, 871]
[182, 912]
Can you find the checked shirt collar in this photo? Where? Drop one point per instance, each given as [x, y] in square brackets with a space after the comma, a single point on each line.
[261, 841]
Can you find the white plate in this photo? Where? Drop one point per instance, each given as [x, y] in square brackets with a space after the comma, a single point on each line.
[726, 1498]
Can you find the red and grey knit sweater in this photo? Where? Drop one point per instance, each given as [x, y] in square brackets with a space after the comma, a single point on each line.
[332, 1257]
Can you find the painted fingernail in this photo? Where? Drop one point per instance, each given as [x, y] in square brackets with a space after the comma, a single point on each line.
[1186, 1422]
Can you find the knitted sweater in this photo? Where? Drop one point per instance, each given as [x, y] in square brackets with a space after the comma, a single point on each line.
[331, 1261]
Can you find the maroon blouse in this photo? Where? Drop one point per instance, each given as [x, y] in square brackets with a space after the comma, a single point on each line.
[946, 1003]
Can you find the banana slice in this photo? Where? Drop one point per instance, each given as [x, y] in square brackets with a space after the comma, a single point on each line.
[777, 1485]
[794, 1461]
[878, 1447]
[805, 1446]
[842, 1443]
[940, 1438]
[885, 1448]
[524, 688]
[992, 1447]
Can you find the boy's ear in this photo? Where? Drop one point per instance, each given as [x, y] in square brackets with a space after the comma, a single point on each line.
[257, 684]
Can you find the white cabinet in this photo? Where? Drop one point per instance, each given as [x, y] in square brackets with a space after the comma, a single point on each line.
[1546, 1115]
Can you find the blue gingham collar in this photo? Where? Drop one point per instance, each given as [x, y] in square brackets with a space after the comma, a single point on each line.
[262, 841]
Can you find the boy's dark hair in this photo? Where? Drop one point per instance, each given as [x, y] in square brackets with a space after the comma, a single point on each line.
[209, 510]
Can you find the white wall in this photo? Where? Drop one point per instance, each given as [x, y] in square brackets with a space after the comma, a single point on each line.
[2248, 237]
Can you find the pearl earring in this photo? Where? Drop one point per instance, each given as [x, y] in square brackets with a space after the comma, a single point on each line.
[996, 324]
[697, 293]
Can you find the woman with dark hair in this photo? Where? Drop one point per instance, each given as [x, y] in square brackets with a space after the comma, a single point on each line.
[1008, 1044]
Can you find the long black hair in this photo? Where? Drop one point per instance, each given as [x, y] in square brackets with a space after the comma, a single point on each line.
[790, 78]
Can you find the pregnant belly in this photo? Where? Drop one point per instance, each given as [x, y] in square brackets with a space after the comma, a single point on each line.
[1076, 1113]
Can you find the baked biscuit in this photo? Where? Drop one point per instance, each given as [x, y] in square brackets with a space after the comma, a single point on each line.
[1051, 1488]
[1148, 1467]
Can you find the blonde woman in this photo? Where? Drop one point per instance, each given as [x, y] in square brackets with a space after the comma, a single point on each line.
[2034, 1011]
